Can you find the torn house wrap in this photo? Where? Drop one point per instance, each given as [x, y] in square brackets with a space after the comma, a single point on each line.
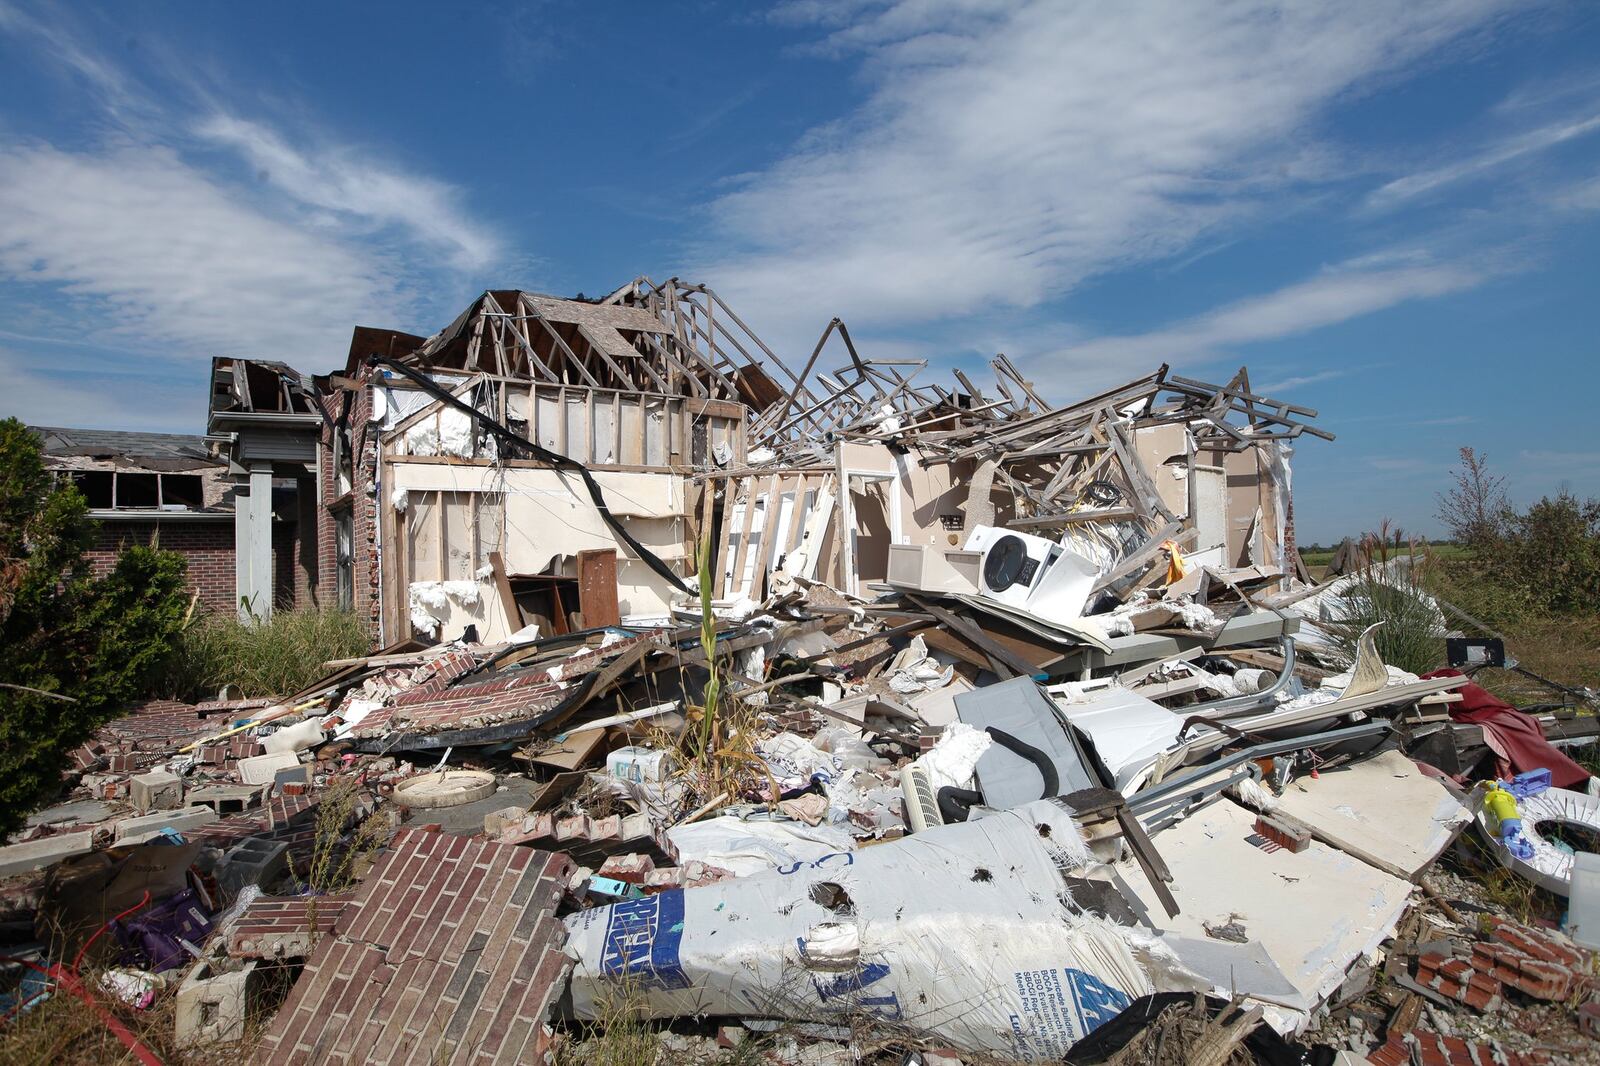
[964, 932]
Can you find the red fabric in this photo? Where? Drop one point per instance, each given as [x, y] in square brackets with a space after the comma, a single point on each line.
[1512, 735]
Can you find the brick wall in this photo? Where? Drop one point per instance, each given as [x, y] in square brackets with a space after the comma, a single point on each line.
[208, 547]
[361, 502]
[283, 568]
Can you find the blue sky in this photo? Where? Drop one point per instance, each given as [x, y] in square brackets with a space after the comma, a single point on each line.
[1388, 211]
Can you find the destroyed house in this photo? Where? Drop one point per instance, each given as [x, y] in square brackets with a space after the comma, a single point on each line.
[264, 420]
[551, 462]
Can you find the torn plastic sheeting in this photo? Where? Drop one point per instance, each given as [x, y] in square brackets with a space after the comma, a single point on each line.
[914, 670]
[795, 761]
[754, 847]
[1002, 966]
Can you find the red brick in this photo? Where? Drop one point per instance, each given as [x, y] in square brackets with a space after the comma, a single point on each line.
[400, 1012]
[1293, 838]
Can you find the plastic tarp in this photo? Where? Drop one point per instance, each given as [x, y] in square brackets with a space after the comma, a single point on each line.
[964, 934]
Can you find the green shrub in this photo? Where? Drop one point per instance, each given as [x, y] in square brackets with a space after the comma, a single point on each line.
[278, 657]
[1551, 553]
[75, 649]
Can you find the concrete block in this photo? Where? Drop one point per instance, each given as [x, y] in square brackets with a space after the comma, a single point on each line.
[633, 869]
[37, 854]
[252, 861]
[156, 791]
[497, 822]
[227, 799]
[148, 826]
[294, 775]
[214, 1001]
[263, 769]
[105, 786]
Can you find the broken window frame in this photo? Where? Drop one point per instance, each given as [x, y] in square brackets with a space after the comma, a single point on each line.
[344, 557]
[79, 478]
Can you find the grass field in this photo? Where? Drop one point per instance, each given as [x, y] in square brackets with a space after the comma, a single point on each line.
[1315, 560]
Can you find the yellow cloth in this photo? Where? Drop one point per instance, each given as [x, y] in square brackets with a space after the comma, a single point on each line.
[1176, 566]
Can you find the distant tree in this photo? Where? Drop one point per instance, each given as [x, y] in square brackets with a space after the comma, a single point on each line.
[1475, 509]
[73, 649]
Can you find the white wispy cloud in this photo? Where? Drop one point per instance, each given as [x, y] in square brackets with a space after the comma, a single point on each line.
[1561, 460]
[1401, 464]
[1487, 158]
[1297, 382]
[346, 179]
[50, 34]
[1008, 151]
[161, 239]
[1335, 295]
[85, 400]
[172, 255]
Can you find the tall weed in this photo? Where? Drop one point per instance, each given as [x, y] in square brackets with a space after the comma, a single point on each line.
[272, 658]
[1411, 636]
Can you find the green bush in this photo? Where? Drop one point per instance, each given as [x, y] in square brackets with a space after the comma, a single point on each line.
[1551, 553]
[278, 657]
[75, 649]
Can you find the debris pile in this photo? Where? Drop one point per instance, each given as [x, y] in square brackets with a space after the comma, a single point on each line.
[837, 714]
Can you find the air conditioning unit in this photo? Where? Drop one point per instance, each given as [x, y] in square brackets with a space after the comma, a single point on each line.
[1032, 574]
[1013, 563]
[928, 568]
[921, 802]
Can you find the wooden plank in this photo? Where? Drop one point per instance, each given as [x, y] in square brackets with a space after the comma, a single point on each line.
[597, 587]
[508, 599]
[954, 645]
[846, 554]
[736, 578]
[996, 651]
[769, 522]
[730, 494]
[573, 750]
[791, 536]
